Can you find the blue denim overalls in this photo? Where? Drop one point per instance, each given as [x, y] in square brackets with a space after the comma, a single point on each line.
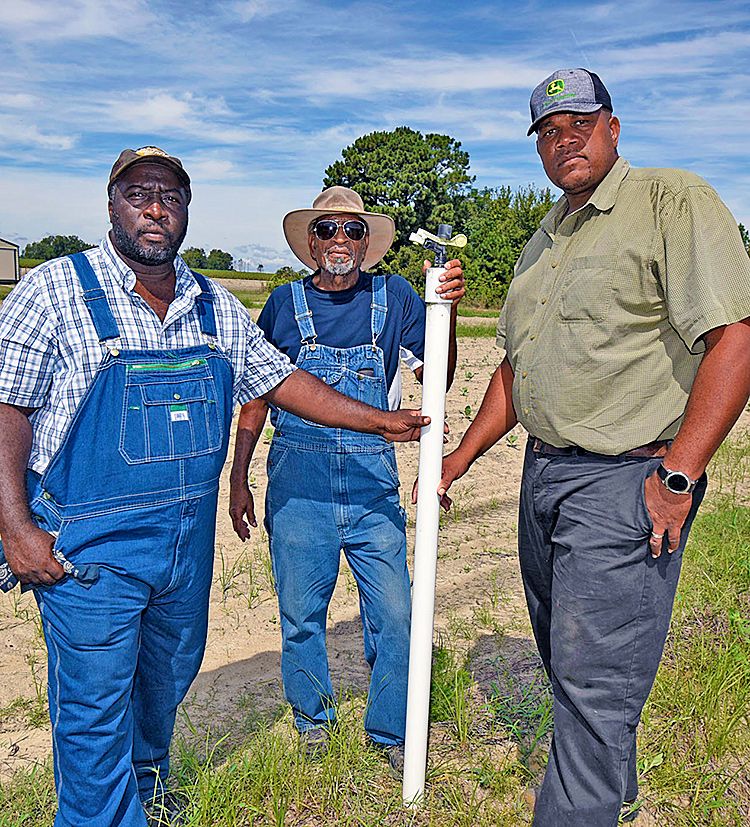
[331, 489]
[132, 489]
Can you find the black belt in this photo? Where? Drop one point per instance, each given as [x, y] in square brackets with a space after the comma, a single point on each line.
[657, 448]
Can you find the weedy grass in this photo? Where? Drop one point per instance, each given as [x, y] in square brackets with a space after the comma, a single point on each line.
[475, 331]
[480, 312]
[695, 744]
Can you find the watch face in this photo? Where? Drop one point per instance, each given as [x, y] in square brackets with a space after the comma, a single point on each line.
[678, 482]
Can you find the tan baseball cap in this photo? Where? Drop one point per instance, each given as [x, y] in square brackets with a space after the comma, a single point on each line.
[151, 155]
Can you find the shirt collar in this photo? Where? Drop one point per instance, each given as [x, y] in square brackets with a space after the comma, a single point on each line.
[185, 283]
[603, 198]
[606, 193]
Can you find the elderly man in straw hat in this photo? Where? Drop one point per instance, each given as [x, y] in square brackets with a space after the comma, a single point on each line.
[331, 489]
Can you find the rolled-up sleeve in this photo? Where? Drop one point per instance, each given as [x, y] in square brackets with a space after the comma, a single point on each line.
[265, 366]
[705, 270]
[28, 347]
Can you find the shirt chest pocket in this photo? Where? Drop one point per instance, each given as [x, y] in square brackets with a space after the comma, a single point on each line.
[586, 290]
[169, 419]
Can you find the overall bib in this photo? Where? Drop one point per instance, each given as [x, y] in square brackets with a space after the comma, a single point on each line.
[131, 490]
[331, 489]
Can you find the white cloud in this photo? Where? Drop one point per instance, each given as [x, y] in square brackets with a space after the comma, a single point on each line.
[46, 20]
[247, 10]
[16, 133]
[17, 100]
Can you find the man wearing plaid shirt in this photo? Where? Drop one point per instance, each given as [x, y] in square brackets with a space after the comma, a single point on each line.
[119, 370]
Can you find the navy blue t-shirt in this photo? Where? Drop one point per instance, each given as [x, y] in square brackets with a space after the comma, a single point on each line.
[342, 319]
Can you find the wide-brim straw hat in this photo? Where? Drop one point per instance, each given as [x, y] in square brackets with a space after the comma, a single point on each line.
[382, 228]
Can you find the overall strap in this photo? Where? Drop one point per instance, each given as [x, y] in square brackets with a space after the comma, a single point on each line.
[205, 304]
[96, 301]
[379, 307]
[302, 314]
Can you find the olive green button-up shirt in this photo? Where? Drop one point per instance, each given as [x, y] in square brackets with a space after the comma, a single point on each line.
[604, 317]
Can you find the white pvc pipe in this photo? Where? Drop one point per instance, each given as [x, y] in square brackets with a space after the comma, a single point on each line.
[425, 550]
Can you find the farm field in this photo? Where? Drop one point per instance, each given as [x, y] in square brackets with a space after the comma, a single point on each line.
[236, 756]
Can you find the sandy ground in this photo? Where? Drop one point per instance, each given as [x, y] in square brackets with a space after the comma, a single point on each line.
[479, 602]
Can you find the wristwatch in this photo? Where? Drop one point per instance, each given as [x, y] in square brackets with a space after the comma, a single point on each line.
[676, 481]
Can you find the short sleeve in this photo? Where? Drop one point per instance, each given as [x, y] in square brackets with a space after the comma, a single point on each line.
[265, 366]
[705, 270]
[413, 320]
[500, 330]
[28, 346]
[267, 315]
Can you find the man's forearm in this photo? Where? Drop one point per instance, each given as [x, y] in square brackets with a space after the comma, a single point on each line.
[495, 417]
[249, 428]
[15, 447]
[719, 394]
[304, 395]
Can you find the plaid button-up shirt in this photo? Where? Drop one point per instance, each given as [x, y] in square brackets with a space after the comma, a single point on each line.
[49, 349]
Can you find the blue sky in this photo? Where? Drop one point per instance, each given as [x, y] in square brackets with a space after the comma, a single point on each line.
[259, 96]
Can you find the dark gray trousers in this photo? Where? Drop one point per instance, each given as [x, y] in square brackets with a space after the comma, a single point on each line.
[600, 607]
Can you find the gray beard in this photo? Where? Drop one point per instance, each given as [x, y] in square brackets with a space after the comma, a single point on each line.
[338, 267]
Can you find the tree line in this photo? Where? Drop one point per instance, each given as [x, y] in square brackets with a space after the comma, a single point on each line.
[54, 246]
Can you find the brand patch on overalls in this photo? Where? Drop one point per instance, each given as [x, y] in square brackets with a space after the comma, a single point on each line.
[178, 413]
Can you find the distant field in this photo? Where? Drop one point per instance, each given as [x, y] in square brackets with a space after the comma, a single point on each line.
[214, 274]
[234, 274]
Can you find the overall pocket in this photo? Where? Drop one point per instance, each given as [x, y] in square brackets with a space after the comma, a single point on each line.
[169, 412]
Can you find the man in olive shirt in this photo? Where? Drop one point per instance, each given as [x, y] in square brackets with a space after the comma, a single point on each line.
[627, 359]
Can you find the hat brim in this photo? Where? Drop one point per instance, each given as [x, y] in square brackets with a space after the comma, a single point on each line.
[581, 108]
[382, 231]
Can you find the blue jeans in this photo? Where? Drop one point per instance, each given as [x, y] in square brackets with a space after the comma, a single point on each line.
[123, 654]
[318, 503]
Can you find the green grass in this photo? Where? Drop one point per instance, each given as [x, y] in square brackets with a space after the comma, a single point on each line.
[475, 331]
[481, 312]
[450, 701]
[234, 274]
[252, 299]
[696, 733]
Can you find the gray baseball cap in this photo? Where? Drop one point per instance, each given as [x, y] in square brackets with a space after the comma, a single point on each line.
[568, 90]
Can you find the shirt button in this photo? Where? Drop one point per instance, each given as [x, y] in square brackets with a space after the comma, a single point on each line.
[177, 396]
[544, 300]
[526, 411]
[553, 263]
[532, 337]
[115, 351]
[524, 374]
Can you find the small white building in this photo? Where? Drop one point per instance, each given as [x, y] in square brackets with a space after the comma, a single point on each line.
[9, 272]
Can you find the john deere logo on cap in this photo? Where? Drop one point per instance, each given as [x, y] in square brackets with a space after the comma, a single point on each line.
[555, 87]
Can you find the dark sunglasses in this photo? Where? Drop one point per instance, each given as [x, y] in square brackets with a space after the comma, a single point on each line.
[326, 229]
